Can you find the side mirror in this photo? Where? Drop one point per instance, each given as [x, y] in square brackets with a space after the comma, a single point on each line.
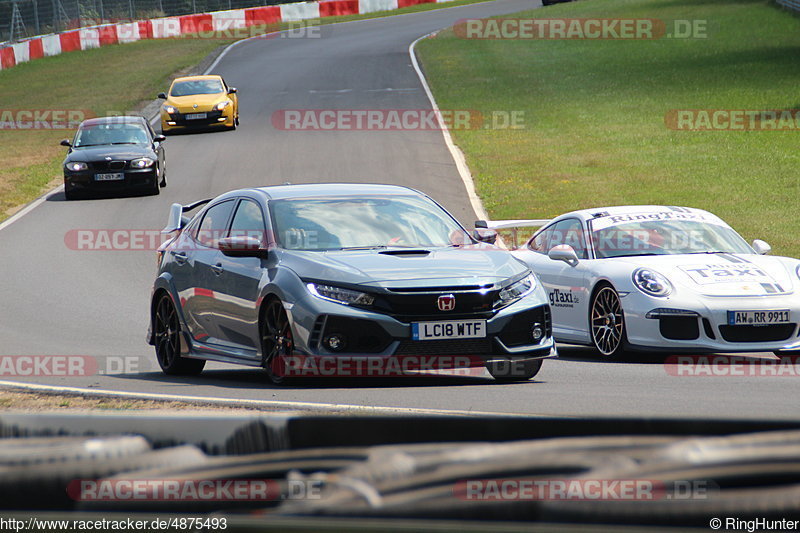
[761, 247]
[481, 224]
[159, 138]
[162, 96]
[66, 143]
[241, 246]
[231, 90]
[563, 252]
[488, 236]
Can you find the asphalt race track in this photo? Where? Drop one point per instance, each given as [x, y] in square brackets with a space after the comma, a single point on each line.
[59, 301]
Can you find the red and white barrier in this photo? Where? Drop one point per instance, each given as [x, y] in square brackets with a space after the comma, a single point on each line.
[299, 11]
[90, 38]
[171, 27]
[51, 45]
[128, 32]
[229, 20]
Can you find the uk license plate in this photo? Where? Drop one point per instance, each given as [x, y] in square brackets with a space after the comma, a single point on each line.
[758, 318]
[109, 177]
[448, 329]
[196, 116]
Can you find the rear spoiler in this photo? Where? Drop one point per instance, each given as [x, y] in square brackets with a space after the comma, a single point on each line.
[513, 225]
[176, 219]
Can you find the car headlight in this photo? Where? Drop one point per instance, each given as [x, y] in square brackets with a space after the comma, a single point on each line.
[516, 290]
[340, 295]
[170, 109]
[797, 271]
[76, 166]
[142, 162]
[651, 282]
[222, 105]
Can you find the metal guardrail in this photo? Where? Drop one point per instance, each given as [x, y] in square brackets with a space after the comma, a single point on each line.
[790, 4]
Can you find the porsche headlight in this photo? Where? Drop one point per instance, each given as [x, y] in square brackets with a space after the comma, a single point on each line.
[340, 295]
[76, 166]
[651, 282]
[797, 271]
[170, 109]
[222, 105]
[142, 162]
[516, 290]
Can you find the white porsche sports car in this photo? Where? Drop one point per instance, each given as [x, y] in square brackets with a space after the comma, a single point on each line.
[633, 278]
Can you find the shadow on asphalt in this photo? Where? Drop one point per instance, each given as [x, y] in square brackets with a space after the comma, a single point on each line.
[255, 378]
[94, 196]
[585, 354]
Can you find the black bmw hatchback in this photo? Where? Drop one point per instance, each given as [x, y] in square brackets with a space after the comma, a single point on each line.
[111, 154]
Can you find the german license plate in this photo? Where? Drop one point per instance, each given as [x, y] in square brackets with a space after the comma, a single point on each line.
[195, 116]
[758, 318]
[109, 177]
[448, 329]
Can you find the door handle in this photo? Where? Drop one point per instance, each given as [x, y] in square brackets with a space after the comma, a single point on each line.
[217, 269]
[180, 257]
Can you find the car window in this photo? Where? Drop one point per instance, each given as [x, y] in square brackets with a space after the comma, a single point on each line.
[192, 87]
[214, 224]
[540, 240]
[362, 221]
[111, 133]
[569, 231]
[248, 221]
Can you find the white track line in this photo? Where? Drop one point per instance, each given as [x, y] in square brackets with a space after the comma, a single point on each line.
[455, 151]
[233, 402]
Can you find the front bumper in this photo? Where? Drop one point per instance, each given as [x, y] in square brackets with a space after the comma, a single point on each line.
[214, 119]
[84, 180]
[509, 333]
[656, 324]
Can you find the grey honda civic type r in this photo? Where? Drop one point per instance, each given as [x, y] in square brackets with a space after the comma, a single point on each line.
[273, 275]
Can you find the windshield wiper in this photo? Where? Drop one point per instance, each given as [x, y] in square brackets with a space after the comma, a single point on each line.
[126, 143]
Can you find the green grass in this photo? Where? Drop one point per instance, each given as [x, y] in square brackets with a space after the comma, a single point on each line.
[594, 113]
[111, 79]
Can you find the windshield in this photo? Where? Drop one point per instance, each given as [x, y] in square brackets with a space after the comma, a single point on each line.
[660, 237]
[363, 222]
[188, 88]
[100, 134]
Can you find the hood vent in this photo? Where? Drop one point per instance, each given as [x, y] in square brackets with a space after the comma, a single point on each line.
[406, 253]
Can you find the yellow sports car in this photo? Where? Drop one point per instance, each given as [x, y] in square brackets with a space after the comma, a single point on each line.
[196, 102]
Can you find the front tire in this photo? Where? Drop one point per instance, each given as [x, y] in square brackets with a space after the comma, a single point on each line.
[167, 334]
[511, 370]
[276, 340]
[607, 322]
